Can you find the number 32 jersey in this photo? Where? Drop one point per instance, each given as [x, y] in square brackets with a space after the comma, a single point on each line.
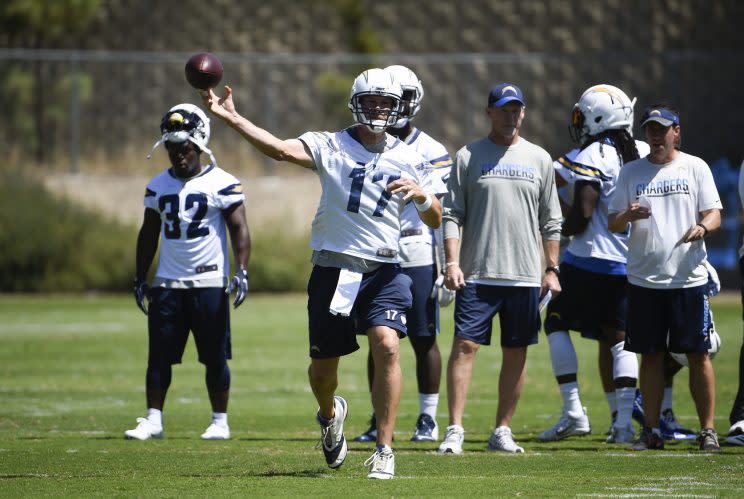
[355, 215]
[193, 238]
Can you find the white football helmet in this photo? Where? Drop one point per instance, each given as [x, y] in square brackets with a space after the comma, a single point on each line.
[376, 81]
[413, 93]
[185, 122]
[715, 346]
[601, 107]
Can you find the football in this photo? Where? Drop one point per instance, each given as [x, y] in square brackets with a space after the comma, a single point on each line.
[203, 71]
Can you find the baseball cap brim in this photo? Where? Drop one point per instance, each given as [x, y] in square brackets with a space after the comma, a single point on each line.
[506, 100]
[658, 119]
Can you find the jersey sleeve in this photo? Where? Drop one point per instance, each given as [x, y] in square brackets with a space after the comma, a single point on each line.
[620, 199]
[587, 165]
[316, 143]
[229, 192]
[151, 196]
[708, 197]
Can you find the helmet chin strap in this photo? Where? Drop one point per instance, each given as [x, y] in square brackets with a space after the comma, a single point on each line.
[196, 142]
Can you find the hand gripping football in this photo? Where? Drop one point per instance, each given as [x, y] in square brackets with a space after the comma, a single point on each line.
[203, 71]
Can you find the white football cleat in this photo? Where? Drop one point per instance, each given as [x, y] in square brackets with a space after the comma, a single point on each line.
[502, 440]
[620, 435]
[216, 432]
[568, 425]
[381, 464]
[145, 430]
[454, 436]
[332, 439]
[426, 430]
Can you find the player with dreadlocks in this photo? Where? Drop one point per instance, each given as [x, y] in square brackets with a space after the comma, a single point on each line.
[593, 270]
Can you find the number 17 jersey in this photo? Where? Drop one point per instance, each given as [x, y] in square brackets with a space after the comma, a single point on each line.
[356, 215]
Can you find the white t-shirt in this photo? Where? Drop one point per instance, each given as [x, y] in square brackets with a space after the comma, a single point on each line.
[676, 192]
[599, 163]
[355, 215]
[193, 237]
[417, 239]
[741, 198]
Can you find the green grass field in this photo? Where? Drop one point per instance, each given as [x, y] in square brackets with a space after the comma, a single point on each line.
[71, 381]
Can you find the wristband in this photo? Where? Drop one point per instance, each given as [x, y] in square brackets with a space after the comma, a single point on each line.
[425, 205]
[554, 269]
[451, 264]
[705, 229]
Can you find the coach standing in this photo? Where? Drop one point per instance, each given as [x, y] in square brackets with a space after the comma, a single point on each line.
[671, 201]
[503, 197]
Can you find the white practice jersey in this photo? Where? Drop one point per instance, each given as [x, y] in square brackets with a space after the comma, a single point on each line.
[600, 163]
[193, 240]
[676, 193]
[356, 215]
[741, 198]
[560, 166]
[417, 239]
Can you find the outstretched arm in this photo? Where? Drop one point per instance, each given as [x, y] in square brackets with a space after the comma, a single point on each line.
[291, 150]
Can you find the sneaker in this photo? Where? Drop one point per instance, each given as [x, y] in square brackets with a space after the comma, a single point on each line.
[454, 436]
[671, 429]
[620, 435]
[502, 440]
[371, 434]
[145, 430]
[708, 439]
[648, 441]
[567, 426]
[332, 438]
[736, 434]
[638, 413]
[216, 432]
[427, 429]
[381, 464]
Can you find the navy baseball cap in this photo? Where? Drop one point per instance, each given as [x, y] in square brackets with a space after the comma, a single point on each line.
[503, 93]
[661, 115]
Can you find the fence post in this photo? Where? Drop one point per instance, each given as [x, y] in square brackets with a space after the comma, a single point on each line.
[75, 113]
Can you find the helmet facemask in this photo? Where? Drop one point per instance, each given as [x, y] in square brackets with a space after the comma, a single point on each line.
[185, 122]
[375, 82]
[413, 93]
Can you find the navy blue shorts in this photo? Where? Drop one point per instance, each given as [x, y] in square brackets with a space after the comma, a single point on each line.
[423, 316]
[682, 315]
[174, 312]
[587, 303]
[517, 306]
[383, 299]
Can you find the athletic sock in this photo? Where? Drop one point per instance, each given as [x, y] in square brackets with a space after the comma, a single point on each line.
[571, 400]
[220, 419]
[611, 401]
[155, 416]
[625, 398]
[666, 402]
[428, 403]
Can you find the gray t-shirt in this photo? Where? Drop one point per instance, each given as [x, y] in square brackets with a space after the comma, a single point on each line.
[505, 200]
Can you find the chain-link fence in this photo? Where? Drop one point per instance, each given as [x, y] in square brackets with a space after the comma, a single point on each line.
[99, 111]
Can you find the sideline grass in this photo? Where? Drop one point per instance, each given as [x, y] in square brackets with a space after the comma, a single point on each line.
[71, 376]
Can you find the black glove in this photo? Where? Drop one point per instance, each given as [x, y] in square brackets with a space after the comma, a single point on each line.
[140, 293]
[239, 282]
